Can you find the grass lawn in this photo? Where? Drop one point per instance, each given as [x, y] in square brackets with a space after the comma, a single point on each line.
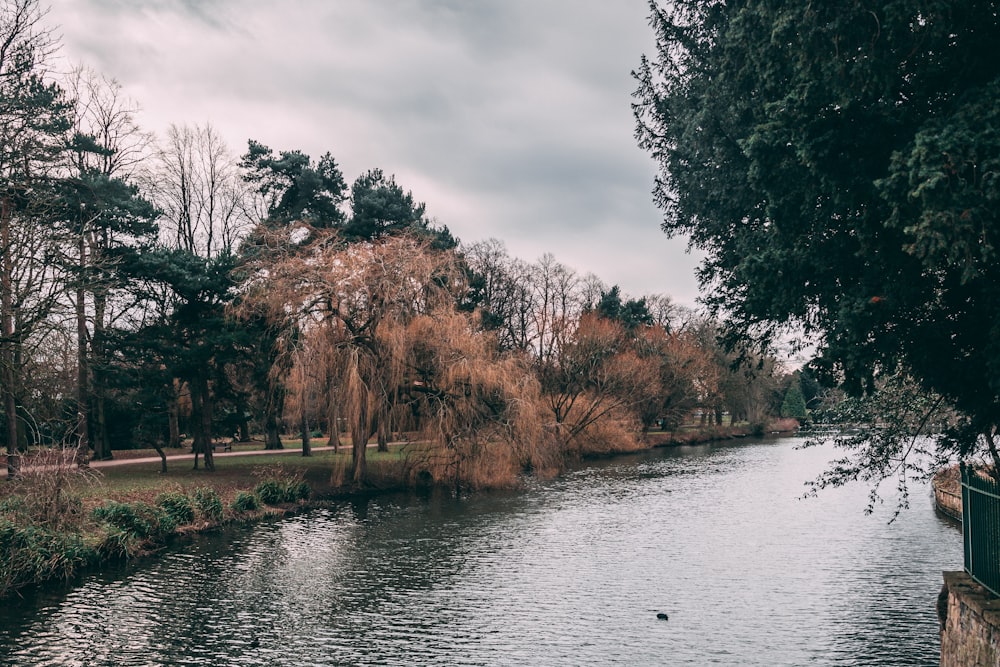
[325, 471]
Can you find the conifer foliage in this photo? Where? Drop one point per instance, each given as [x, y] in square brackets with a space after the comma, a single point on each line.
[837, 163]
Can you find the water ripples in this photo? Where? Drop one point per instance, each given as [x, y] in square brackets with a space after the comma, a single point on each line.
[570, 572]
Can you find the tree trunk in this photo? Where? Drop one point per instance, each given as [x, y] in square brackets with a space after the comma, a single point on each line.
[333, 420]
[382, 430]
[98, 384]
[244, 423]
[7, 373]
[201, 418]
[100, 428]
[206, 421]
[197, 436]
[306, 449]
[163, 457]
[18, 350]
[173, 416]
[360, 431]
[82, 375]
[304, 413]
[272, 415]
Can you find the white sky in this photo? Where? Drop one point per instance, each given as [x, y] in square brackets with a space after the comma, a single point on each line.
[511, 119]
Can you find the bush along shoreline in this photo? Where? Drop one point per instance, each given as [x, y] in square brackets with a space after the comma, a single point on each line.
[38, 545]
[58, 520]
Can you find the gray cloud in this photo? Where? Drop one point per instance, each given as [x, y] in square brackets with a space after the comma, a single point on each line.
[510, 118]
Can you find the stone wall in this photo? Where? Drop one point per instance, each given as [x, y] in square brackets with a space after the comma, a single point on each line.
[947, 485]
[970, 623]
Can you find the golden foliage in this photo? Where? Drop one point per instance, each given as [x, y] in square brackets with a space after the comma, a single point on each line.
[616, 432]
[381, 318]
[596, 376]
[485, 412]
[687, 374]
[378, 326]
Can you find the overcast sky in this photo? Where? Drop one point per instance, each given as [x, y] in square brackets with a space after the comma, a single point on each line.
[511, 119]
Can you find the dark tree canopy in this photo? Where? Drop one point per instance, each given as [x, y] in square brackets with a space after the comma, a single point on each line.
[838, 162]
[295, 187]
[631, 313]
[794, 404]
[380, 207]
[195, 339]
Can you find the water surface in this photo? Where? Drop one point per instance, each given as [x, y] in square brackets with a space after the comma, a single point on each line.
[568, 572]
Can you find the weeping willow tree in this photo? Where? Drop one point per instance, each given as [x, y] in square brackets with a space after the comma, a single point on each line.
[382, 317]
[487, 421]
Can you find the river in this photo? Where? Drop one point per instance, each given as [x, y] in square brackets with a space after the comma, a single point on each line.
[571, 571]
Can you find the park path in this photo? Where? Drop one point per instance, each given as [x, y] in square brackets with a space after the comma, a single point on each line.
[188, 456]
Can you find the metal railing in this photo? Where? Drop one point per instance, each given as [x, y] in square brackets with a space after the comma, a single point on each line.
[981, 528]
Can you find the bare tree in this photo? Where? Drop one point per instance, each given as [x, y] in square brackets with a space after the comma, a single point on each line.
[33, 125]
[103, 112]
[557, 306]
[207, 206]
[503, 293]
[207, 210]
[591, 290]
[665, 312]
[595, 375]
[687, 372]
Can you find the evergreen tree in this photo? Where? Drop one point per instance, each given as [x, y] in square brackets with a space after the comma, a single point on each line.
[193, 338]
[835, 162]
[631, 313]
[103, 217]
[295, 188]
[794, 405]
[380, 207]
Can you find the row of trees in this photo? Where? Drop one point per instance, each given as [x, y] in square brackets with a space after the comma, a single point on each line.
[150, 288]
[474, 348]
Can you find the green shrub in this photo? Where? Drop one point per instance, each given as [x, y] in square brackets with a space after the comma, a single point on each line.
[116, 543]
[301, 490]
[245, 502]
[276, 491]
[208, 503]
[33, 554]
[138, 520]
[67, 509]
[177, 506]
[271, 492]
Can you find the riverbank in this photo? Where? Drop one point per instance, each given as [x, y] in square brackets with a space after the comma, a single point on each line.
[947, 486]
[60, 520]
[697, 436]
